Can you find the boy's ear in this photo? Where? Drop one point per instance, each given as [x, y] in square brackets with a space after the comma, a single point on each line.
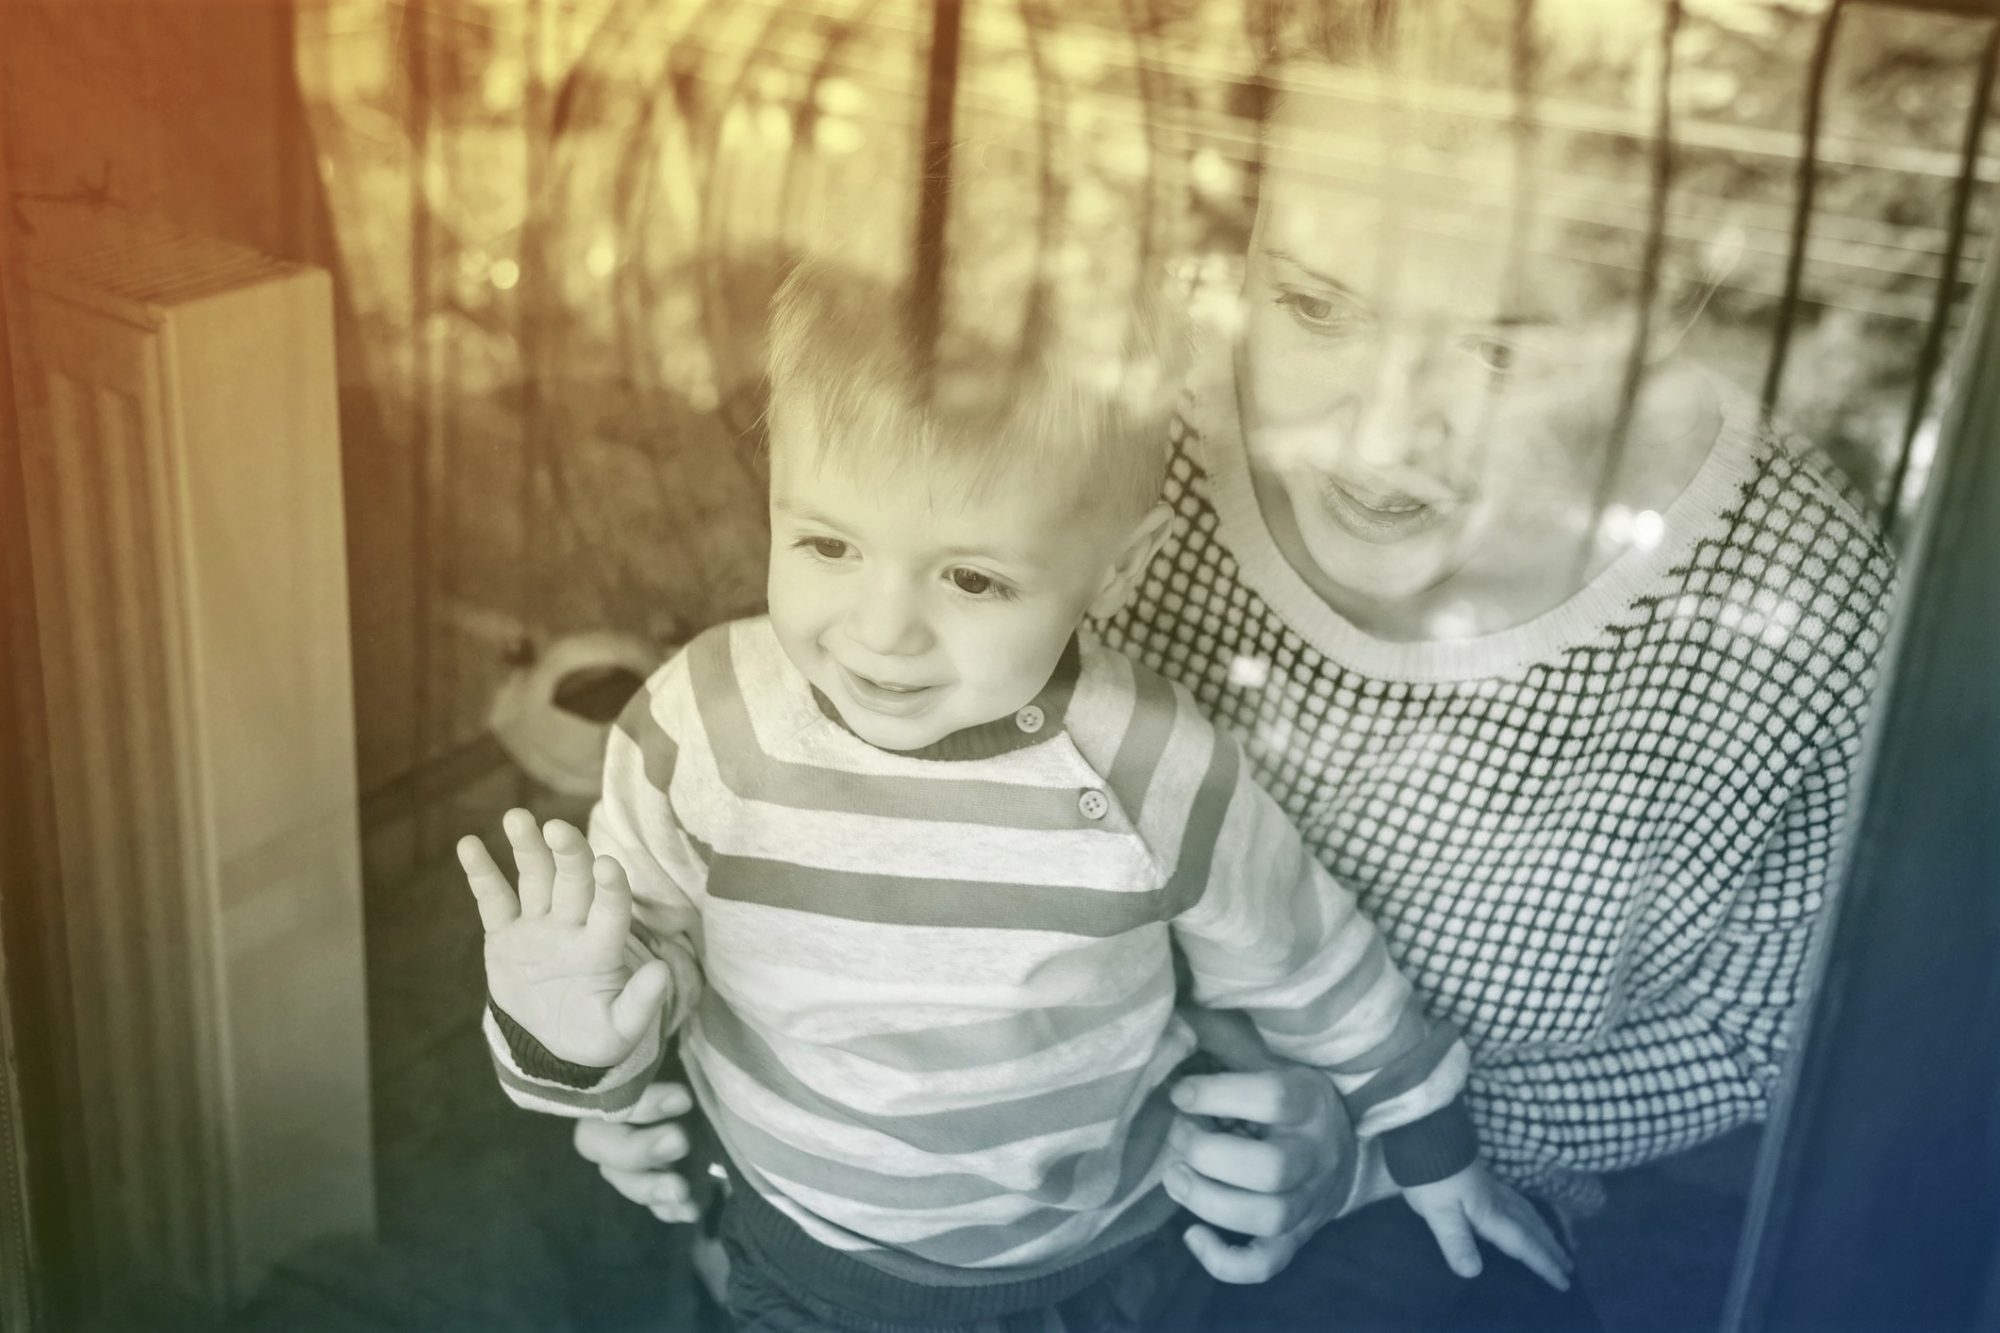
[1144, 541]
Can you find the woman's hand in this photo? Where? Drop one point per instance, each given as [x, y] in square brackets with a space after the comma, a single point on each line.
[637, 1157]
[1472, 1204]
[1277, 1174]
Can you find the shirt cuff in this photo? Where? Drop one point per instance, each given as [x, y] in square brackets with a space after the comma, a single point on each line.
[1430, 1149]
[537, 1061]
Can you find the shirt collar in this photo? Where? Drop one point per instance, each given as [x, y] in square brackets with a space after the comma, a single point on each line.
[1039, 719]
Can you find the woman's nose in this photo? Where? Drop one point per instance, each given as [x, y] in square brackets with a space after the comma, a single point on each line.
[1400, 417]
[1400, 432]
[889, 620]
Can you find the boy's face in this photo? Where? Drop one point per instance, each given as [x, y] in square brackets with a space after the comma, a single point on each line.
[918, 607]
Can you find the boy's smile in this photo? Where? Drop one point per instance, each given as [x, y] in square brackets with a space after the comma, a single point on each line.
[920, 602]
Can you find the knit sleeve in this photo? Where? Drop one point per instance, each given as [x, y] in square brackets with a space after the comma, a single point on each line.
[634, 823]
[1705, 1053]
[1274, 935]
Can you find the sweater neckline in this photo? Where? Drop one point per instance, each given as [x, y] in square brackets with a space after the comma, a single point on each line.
[1211, 414]
[1036, 721]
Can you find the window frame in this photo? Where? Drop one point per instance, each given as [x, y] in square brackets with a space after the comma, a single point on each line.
[1876, 1202]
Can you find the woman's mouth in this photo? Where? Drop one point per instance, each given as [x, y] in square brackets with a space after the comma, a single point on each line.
[1380, 517]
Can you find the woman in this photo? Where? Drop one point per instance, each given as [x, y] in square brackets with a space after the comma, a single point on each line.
[1552, 652]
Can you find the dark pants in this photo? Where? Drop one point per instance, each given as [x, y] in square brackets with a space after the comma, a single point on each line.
[1379, 1271]
[1158, 1288]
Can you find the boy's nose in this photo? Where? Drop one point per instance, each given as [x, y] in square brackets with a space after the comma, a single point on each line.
[888, 620]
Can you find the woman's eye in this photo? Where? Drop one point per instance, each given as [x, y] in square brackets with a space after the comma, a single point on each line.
[972, 582]
[1497, 356]
[1319, 313]
[827, 548]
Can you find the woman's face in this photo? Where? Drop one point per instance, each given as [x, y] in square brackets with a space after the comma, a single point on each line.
[1421, 380]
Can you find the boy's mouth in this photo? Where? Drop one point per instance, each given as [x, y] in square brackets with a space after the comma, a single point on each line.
[884, 696]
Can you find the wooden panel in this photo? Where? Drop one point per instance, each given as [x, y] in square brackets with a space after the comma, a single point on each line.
[187, 500]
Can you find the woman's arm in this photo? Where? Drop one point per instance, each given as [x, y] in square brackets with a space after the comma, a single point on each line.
[1705, 1054]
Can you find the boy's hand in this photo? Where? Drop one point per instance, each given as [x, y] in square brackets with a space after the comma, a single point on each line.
[1474, 1203]
[555, 956]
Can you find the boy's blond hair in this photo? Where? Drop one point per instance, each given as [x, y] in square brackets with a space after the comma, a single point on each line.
[1088, 400]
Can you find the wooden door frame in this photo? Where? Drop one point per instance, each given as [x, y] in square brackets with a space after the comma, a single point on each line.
[38, 1087]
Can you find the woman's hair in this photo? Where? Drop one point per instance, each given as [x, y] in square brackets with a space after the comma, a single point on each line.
[1087, 395]
[1461, 71]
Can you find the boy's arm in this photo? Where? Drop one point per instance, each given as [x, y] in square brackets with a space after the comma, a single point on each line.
[634, 824]
[1272, 934]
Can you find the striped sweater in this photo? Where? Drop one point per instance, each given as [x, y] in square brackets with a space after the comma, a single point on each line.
[928, 999]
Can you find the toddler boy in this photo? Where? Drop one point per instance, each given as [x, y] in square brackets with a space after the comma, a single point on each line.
[909, 861]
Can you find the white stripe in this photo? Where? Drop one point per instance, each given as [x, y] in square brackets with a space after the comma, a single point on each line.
[1020, 1165]
[1433, 1093]
[812, 973]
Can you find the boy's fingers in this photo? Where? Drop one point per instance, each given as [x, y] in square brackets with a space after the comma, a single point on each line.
[610, 911]
[1455, 1240]
[569, 899]
[1545, 1236]
[497, 904]
[1259, 1261]
[1520, 1231]
[534, 864]
[1512, 1236]
[638, 1006]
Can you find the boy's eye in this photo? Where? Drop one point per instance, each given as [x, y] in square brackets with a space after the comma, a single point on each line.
[972, 582]
[827, 548]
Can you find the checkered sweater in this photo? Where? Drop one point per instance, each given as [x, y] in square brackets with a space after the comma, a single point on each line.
[934, 1020]
[1599, 842]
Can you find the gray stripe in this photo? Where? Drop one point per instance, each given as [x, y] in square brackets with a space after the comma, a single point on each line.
[1409, 1071]
[880, 1189]
[755, 1147]
[966, 1246]
[1153, 711]
[1409, 1033]
[751, 774]
[993, 1040]
[894, 900]
[604, 1099]
[1204, 826]
[656, 748]
[979, 1128]
[1324, 1011]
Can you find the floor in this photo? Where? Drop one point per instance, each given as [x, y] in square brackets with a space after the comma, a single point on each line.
[487, 1221]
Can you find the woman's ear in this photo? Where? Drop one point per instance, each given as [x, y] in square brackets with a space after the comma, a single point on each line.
[1693, 292]
[1141, 544]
